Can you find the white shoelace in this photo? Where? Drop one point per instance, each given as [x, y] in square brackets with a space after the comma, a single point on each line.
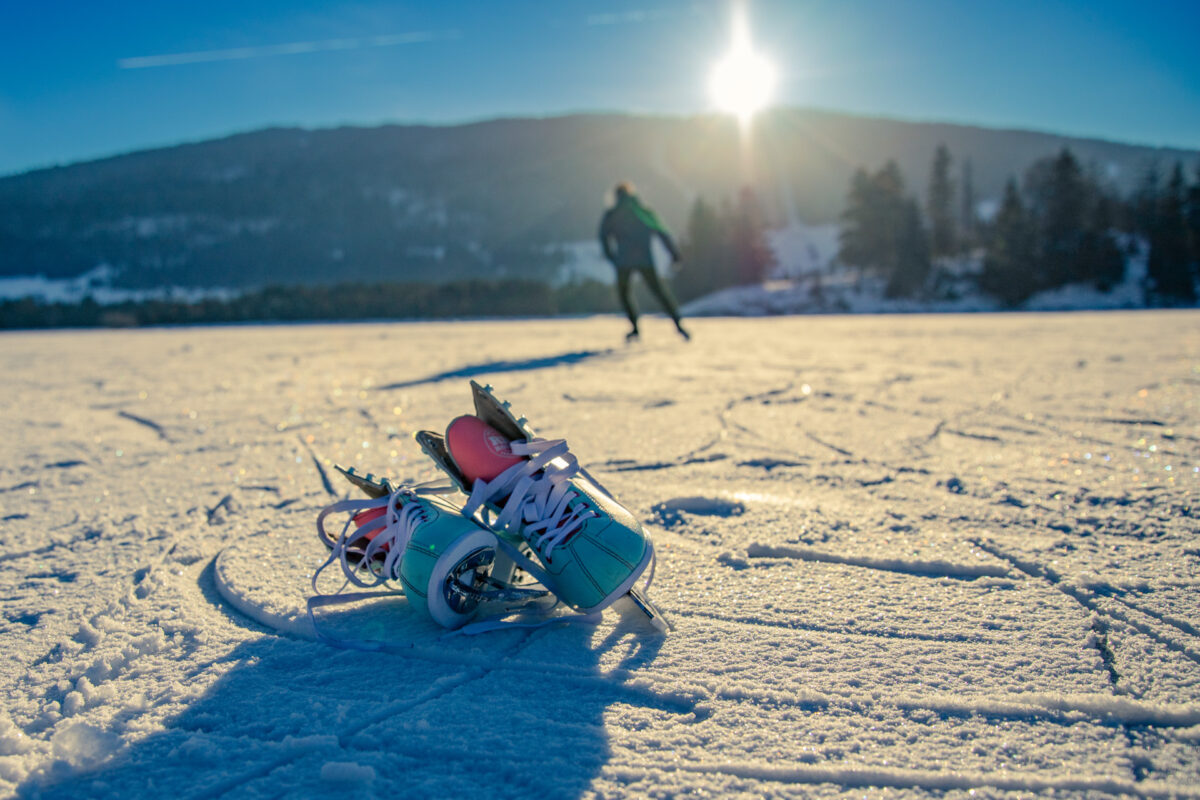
[539, 502]
[395, 530]
[387, 535]
[392, 531]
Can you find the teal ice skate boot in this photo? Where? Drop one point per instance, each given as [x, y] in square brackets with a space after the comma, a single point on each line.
[443, 560]
[591, 549]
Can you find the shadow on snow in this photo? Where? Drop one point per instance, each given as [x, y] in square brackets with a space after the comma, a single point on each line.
[491, 367]
[506, 714]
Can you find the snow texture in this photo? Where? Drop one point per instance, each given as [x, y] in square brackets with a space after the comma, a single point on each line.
[907, 556]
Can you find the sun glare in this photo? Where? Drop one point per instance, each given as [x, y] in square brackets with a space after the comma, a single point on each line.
[743, 81]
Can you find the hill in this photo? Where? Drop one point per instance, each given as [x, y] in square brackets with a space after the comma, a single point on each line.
[489, 199]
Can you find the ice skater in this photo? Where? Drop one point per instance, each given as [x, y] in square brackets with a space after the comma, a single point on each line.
[625, 234]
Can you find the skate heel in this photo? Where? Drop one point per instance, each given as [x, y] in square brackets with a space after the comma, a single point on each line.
[449, 566]
[444, 576]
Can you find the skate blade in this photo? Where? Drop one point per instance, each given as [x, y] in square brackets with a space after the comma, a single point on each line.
[368, 483]
[649, 612]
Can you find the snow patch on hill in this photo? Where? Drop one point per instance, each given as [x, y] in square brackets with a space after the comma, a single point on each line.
[97, 283]
[803, 249]
[808, 280]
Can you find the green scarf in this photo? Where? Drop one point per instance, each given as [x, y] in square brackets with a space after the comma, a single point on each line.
[646, 215]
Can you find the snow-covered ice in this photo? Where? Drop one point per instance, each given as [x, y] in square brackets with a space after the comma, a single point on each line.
[906, 556]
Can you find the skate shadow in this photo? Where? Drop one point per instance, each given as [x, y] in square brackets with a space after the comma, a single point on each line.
[493, 367]
[507, 714]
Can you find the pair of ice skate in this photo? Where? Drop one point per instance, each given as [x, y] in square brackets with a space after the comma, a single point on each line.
[535, 531]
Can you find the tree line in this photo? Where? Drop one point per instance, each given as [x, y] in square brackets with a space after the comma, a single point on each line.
[725, 245]
[346, 301]
[1060, 224]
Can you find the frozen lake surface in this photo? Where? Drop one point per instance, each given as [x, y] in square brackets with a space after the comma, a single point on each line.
[945, 555]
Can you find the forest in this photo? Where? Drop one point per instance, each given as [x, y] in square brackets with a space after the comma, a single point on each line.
[1061, 222]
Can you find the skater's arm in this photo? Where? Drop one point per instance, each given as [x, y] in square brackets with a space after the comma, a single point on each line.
[669, 243]
[606, 238]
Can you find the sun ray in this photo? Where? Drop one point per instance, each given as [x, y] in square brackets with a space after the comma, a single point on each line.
[743, 82]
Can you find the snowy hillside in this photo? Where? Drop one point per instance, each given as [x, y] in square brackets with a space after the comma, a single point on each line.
[810, 282]
[907, 556]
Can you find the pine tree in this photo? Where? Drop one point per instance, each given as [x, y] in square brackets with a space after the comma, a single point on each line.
[1144, 204]
[967, 221]
[939, 206]
[872, 219]
[1170, 267]
[1058, 203]
[890, 181]
[1008, 267]
[911, 267]
[1099, 255]
[753, 256]
[707, 257]
[1192, 214]
[883, 231]
[858, 240]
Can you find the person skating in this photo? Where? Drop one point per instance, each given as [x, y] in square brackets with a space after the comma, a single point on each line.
[626, 232]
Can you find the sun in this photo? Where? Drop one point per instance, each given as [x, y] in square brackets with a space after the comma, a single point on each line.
[743, 82]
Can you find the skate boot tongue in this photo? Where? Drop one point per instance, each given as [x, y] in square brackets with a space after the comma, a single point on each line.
[480, 451]
[370, 515]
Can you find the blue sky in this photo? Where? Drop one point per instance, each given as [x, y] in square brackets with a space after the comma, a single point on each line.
[80, 80]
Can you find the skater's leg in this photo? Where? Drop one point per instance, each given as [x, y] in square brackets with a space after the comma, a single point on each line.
[625, 294]
[665, 299]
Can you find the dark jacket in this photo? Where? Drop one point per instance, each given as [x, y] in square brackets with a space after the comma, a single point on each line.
[626, 231]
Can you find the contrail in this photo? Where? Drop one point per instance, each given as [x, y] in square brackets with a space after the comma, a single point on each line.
[291, 48]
